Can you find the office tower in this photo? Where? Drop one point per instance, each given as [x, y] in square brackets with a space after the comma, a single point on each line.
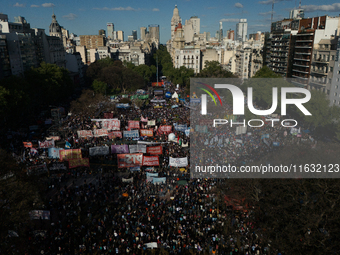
[110, 30]
[241, 30]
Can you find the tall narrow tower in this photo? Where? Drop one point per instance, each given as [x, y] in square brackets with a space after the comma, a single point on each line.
[174, 21]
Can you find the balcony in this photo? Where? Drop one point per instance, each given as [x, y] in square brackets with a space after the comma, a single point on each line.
[300, 77]
[303, 47]
[323, 61]
[302, 59]
[304, 40]
[322, 83]
[301, 65]
[322, 72]
[300, 71]
[302, 53]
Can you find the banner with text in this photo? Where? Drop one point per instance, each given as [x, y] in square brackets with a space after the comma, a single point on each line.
[131, 134]
[114, 134]
[133, 124]
[150, 161]
[120, 149]
[69, 154]
[146, 132]
[129, 160]
[178, 162]
[164, 129]
[100, 132]
[84, 133]
[99, 151]
[151, 122]
[46, 144]
[156, 150]
[137, 148]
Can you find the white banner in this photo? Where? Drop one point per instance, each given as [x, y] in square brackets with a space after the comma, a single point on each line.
[46, 144]
[137, 148]
[178, 162]
[127, 180]
[151, 122]
[98, 151]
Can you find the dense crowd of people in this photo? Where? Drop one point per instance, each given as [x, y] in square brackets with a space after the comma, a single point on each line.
[110, 216]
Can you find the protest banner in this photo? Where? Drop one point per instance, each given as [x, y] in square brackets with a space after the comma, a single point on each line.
[84, 133]
[180, 127]
[164, 129]
[158, 180]
[156, 150]
[46, 144]
[135, 169]
[111, 124]
[137, 148]
[28, 144]
[148, 174]
[100, 132]
[133, 124]
[150, 161]
[114, 134]
[129, 160]
[127, 180]
[54, 152]
[120, 149]
[146, 132]
[178, 162]
[99, 151]
[131, 134]
[142, 119]
[55, 138]
[70, 154]
[151, 122]
[72, 163]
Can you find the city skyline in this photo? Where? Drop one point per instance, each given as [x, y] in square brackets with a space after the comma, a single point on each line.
[88, 17]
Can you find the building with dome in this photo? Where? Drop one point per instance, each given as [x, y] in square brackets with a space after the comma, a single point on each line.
[174, 22]
[55, 28]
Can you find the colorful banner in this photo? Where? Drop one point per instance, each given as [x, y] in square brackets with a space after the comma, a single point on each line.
[137, 148]
[151, 122]
[54, 152]
[120, 149]
[133, 124]
[150, 161]
[84, 133]
[111, 124]
[72, 163]
[156, 150]
[114, 134]
[100, 132]
[70, 154]
[131, 134]
[187, 132]
[178, 162]
[146, 132]
[129, 160]
[164, 129]
[158, 180]
[108, 115]
[28, 144]
[99, 151]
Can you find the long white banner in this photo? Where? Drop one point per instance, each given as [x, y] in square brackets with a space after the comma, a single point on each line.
[178, 162]
[138, 148]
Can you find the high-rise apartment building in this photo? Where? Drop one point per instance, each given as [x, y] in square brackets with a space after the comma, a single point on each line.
[142, 33]
[154, 32]
[241, 30]
[110, 30]
[120, 35]
[134, 35]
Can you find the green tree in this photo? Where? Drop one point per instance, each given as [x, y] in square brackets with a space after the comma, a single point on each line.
[99, 87]
[266, 72]
[213, 69]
